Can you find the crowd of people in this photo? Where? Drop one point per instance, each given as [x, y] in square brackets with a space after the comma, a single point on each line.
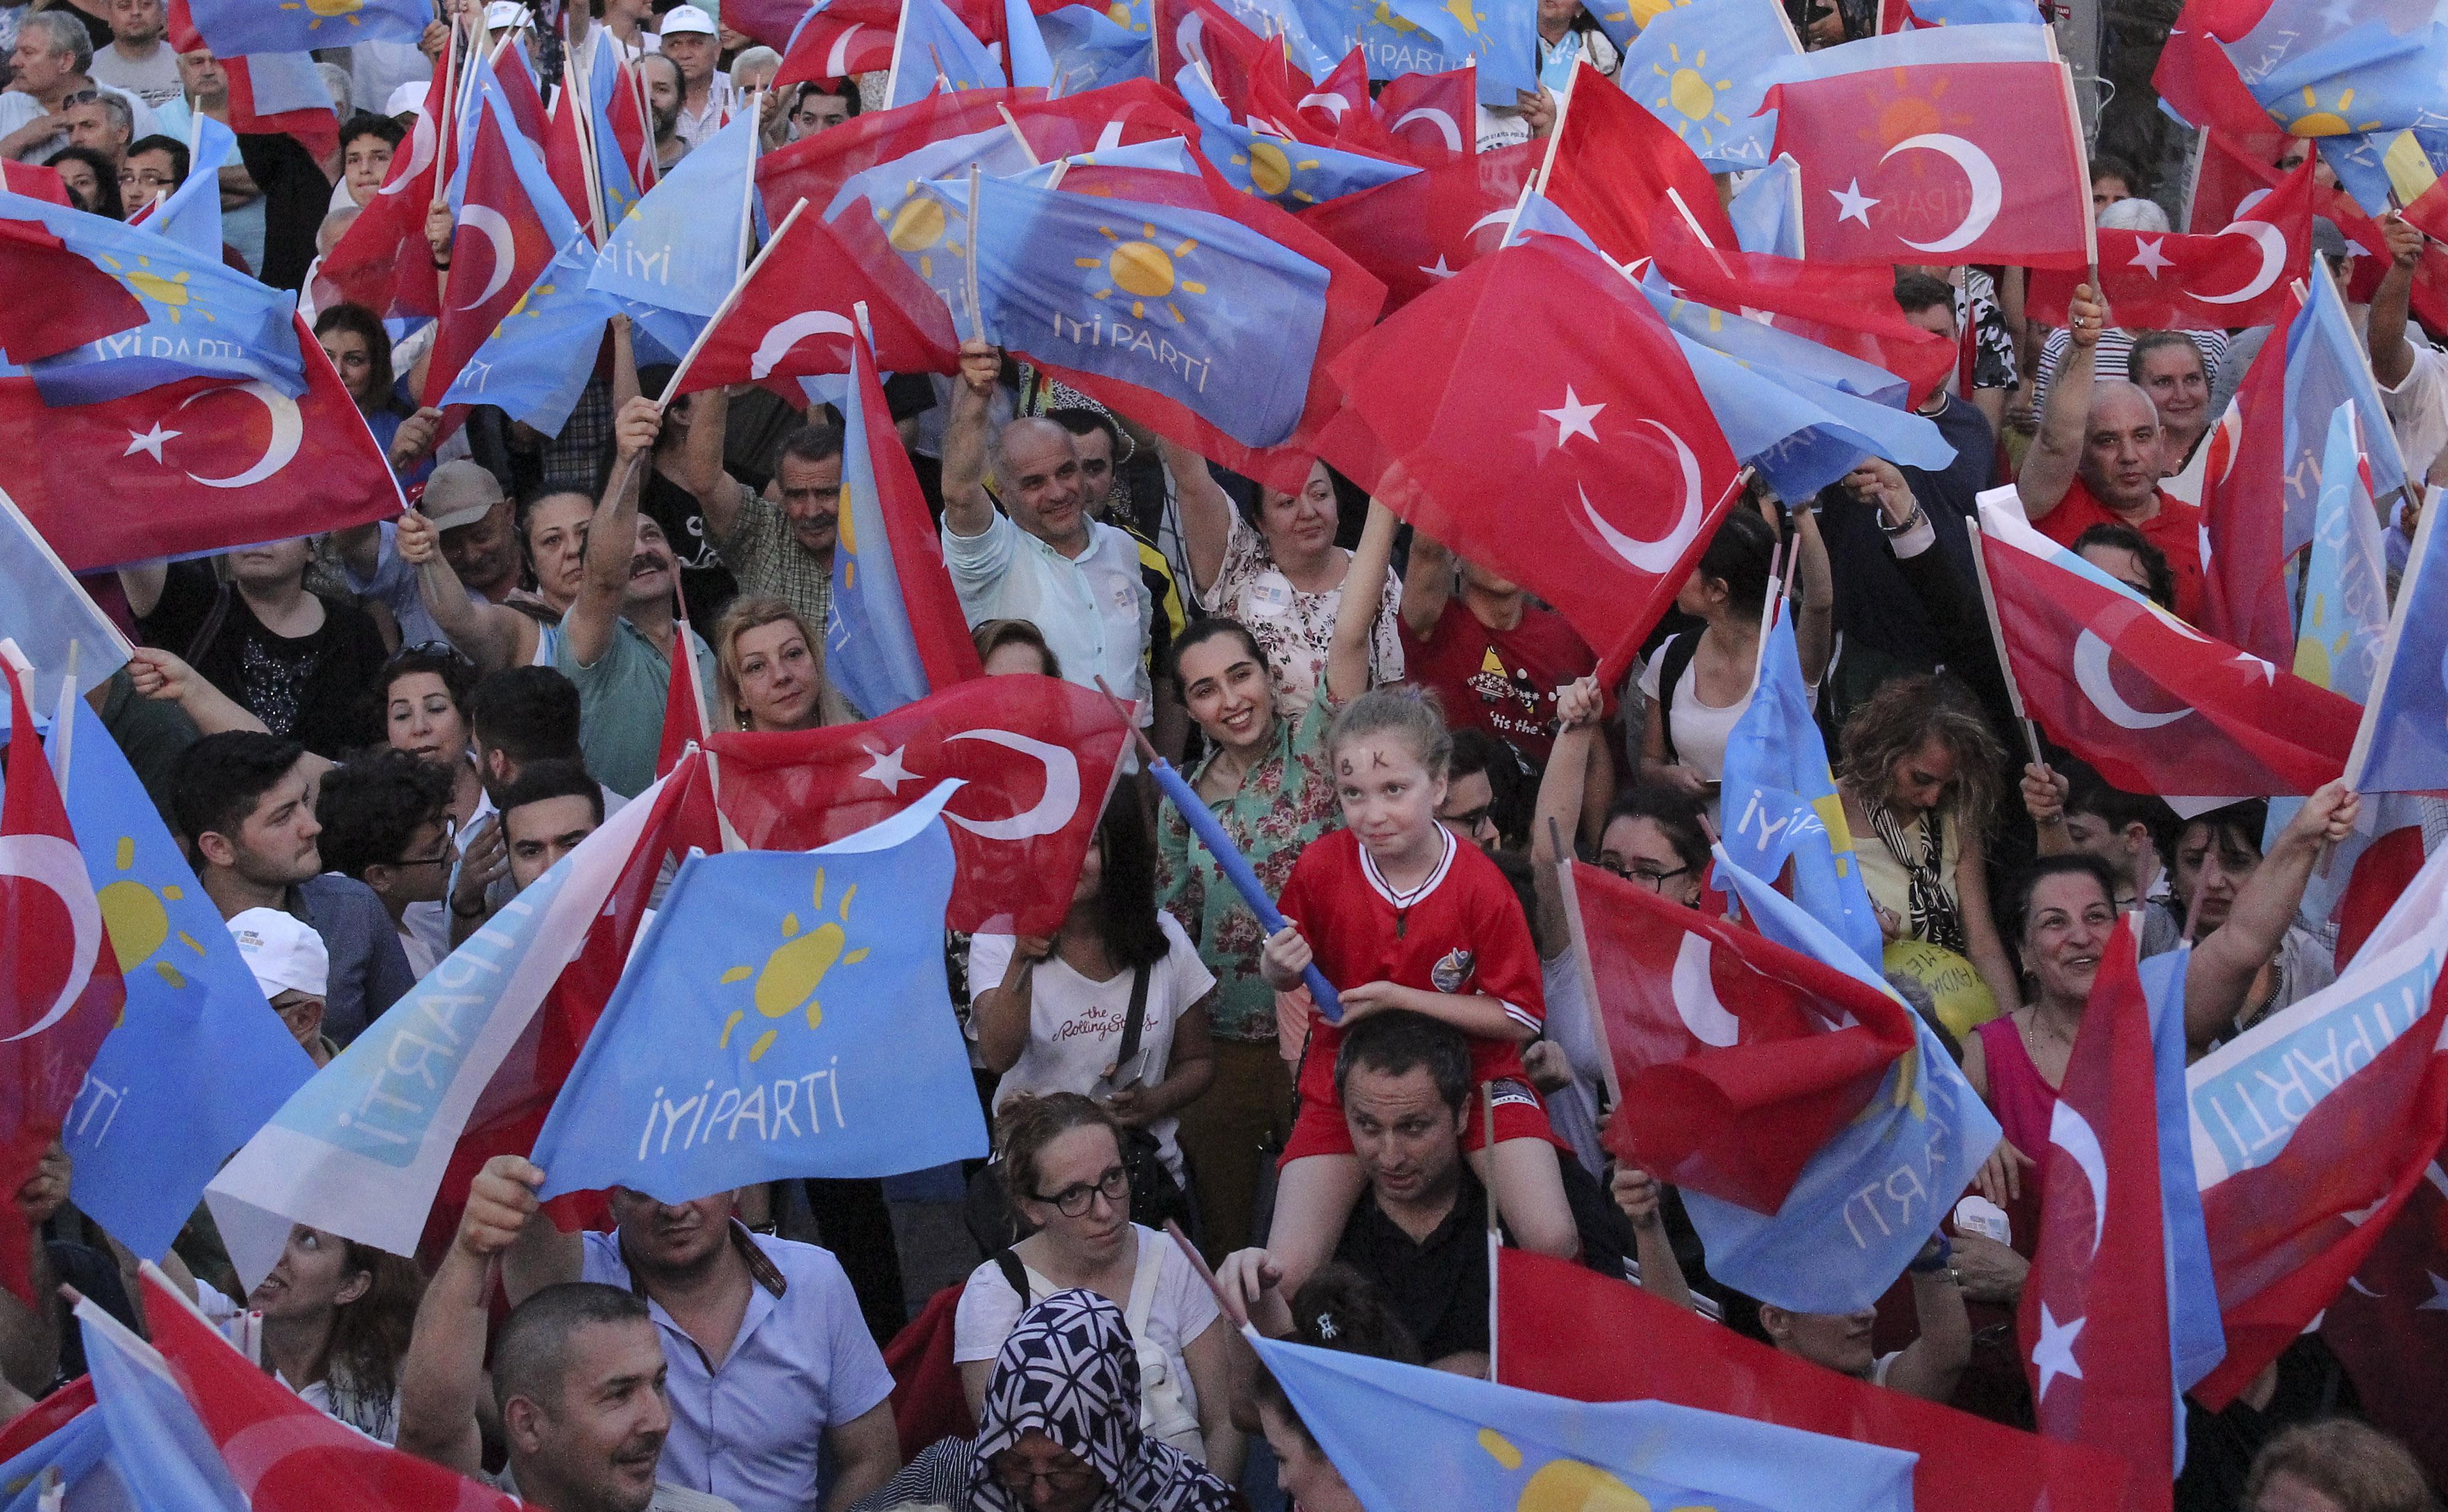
[369, 743]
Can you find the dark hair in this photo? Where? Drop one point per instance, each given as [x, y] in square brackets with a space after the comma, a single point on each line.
[1125, 910]
[2105, 167]
[369, 1336]
[991, 636]
[2149, 342]
[2066, 864]
[2352, 1464]
[1339, 1308]
[539, 781]
[2244, 823]
[1207, 628]
[181, 163]
[1393, 1042]
[2155, 571]
[527, 507]
[845, 90]
[1475, 749]
[369, 809]
[1080, 421]
[217, 782]
[366, 326]
[1916, 292]
[527, 713]
[457, 673]
[365, 124]
[2087, 792]
[1672, 810]
[531, 1348]
[1740, 556]
[107, 199]
[1031, 1121]
[811, 444]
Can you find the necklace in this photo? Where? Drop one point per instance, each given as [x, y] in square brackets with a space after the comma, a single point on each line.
[2033, 1025]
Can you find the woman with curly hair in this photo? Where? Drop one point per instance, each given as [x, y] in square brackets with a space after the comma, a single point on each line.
[336, 1319]
[1918, 771]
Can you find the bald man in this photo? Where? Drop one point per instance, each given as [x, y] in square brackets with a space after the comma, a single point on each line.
[2097, 461]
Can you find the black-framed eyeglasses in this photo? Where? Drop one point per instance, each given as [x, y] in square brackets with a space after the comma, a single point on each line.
[1646, 875]
[1113, 1186]
[1019, 1480]
[1469, 820]
[449, 847]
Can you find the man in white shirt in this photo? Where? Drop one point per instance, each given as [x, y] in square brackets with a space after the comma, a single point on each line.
[626, 20]
[137, 60]
[2412, 373]
[52, 54]
[1076, 579]
[690, 42]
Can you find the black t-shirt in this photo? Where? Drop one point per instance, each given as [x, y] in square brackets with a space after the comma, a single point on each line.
[2220, 1447]
[1874, 606]
[318, 689]
[1438, 1287]
[705, 583]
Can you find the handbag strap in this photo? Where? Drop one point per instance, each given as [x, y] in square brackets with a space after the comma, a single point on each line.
[1007, 1261]
[1136, 1018]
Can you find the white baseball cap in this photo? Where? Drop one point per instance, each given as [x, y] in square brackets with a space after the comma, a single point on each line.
[681, 19]
[408, 99]
[283, 950]
[503, 14]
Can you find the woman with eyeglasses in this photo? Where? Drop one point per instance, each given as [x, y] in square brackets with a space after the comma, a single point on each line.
[1063, 1167]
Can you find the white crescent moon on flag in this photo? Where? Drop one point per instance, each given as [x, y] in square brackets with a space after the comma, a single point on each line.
[50, 862]
[1493, 218]
[2273, 243]
[505, 253]
[1695, 996]
[1051, 811]
[420, 153]
[1988, 194]
[1334, 104]
[288, 430]
[1110, 137]
[784, 335]
[2091, 674]
[837, 60]
[1442, 119]
[2070, 1132]
[1185, 38]
[1658, 557]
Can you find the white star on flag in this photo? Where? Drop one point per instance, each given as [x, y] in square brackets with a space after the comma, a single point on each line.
[2147, 256]
[2054, 1355]
[888, 771]
[1574, 418]
[1440, 270]
[1852, 204]
[2438, 1302]
[150, 442]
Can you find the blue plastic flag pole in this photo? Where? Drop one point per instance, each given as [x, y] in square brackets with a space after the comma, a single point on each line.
[1229, 857]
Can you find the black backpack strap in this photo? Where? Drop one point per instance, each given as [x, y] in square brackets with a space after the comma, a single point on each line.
[1672, 661]
[1007, 1261]
[1134, 1021]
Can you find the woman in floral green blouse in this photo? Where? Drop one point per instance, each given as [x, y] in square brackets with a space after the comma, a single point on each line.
[1266, 782]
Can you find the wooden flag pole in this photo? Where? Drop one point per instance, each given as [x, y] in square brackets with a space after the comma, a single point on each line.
[1997, 642]
[1495, 1237]
[977, 312]
[1580, 947]
[688, 360]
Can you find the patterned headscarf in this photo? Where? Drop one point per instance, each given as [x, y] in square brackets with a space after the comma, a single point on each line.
[1067, 1370]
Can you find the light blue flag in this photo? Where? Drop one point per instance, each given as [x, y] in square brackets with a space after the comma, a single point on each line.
[1876, 1191]
[933, 45]
[1293, 173]
[1977, 12]
[1767, 212]
[676, 254]
[2400, 746]
[870, 649]
[1089, 49]
[786, 1015]
[2351, 89]
[1162, 154]
[1286, 22]
[1700, 68]
[234, 27]
[45, 612]
[1423, 36]
[191, 214]
[76, 1449]
[1408, 1437]
[2196, 1337]
[613, 171]
[889, 185]
[485, 91]
[1184, 303]
[537, 361]
[196, 1064]
[202, 320]
[1025, 54]
[2325, 367]
[1781, 804]
[159, 1449]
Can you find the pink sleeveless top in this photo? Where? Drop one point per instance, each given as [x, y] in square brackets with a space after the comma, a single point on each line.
[2023, 1103]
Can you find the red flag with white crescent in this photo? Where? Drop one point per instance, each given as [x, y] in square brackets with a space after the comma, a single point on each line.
[2238, 276]
[1433, 116]
[1040, 757]
[846, 37]
[506, 249]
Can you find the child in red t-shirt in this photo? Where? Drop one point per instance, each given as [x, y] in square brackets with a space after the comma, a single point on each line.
[1399, 914]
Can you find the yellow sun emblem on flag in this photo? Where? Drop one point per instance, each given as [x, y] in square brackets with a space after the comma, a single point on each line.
[1144, 272]
[171, 294]
[1569, 1485]
[920, 224]
[1903, 114]
[792, 971]
[1271, 167]
[2325, 120]
[535, 292]
[1641, 12]
[1691, 94]
[322, 11]
[138, 924]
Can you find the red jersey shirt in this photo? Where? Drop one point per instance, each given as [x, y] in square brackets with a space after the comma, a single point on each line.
[1502, 681]
[2176, 530]
[1460, 931]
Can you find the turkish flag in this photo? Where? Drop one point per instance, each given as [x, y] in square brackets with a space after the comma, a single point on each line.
[684, 706]
[2239, 275]
[1201, 31]
[2245, 600]
[33, 180]
[2389, 1327]
[1849, 310]
[315, 127]
[1571, 1333]
[2156, 706]
[192, 467]
[1434, 116]
[2380, 876]
[79, 302]
[1618, 170]
[1535, 414]
[793, 315]
[1737, 1057]
[844, 38]
[566, 158]
[1339, 100]
[2234, 168]
[2093, 1319]
[627, 110]
[1419, 230]
[1940, 164]
[498, 250]
[284, 1455]
[59, 990]
[768, 22]
[1040, 757]
[2197, 79]
[383, 262]
[45, 1418]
